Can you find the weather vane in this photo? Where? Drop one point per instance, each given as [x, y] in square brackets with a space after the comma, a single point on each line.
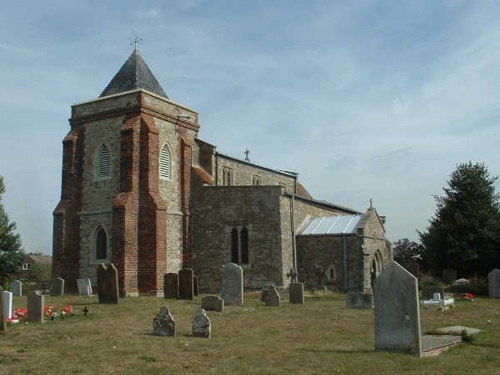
[137, 39]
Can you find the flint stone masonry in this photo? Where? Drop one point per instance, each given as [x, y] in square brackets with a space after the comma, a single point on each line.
[186, 284]
[296, 293]
[212, 303]
[272, 297]
[494, 283]
[57, 287]
[36, 303]
[107, 278]
[201, 325]
[84, 287]
[164, 323]
[397, 316]
[7, 304]
[16, 287]
[232, 284]
[171, 286]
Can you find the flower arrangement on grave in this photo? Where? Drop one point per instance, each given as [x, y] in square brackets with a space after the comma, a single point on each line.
[18, 315]
[52, 313]
[467, 296]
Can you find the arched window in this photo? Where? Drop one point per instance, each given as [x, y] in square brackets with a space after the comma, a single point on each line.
[103, 163]
[101, 244]
[239, 245]
[165, 162]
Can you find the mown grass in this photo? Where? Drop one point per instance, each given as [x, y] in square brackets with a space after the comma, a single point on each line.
[321, 337]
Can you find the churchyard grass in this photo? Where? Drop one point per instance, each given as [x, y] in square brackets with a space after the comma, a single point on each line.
[321, 337]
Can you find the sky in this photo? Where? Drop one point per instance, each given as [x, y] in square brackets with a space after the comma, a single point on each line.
[364, 99]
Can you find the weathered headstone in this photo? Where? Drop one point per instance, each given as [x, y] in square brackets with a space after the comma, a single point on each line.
[201, 325]
[164, 323]
[171, 286]
[3, 319]
[397, 316]
[357, 300]
[272, 297]
[212, 303]
[57, 287]
[186, 284]
[494, 283]
[232, 284]
[196, 287]
[84, 287]
[107, 281]
[7, 304]
[296, 291]
[449, 275]
[35, 307]
[16, 287]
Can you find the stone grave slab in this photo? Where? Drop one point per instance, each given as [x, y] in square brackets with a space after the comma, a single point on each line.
[186, 284]
[57, 288]
[296, 292]
[232, 284]
[36, 303]
[201, 325]
[212, 303]
[171, 286]
[494, 283]
[164, 323]
[107, 281]
[16, 288]
[84, 287]
[272, 297]
[7, 304]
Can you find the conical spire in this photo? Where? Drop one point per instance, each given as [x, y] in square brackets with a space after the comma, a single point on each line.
[134, 74]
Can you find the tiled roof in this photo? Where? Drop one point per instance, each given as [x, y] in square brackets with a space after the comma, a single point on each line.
[134, 74]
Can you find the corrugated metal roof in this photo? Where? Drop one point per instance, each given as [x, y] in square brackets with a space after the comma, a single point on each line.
[331, 225]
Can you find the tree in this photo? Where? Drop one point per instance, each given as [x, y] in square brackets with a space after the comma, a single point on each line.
[406, 251]
[464, 232]
[11, 253]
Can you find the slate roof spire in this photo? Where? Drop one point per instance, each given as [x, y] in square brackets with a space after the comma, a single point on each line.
[134, 74]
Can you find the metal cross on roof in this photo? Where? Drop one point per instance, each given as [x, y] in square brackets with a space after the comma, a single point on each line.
[137, 39]
[247, 152]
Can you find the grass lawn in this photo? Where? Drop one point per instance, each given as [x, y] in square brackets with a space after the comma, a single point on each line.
[321, 337]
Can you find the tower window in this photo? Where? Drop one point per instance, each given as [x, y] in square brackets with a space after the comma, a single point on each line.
[256, 180]
[104, 163]
[239, 245]
[165, 162]
[101, 244]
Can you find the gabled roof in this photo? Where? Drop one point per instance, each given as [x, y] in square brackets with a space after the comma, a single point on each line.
[134, 74]
[331, 225]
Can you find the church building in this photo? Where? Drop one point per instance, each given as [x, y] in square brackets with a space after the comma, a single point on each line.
[142, 191]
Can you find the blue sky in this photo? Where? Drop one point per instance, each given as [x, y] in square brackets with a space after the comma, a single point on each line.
[364, 99]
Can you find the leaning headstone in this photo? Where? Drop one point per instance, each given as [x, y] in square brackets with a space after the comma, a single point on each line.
[397, 316]
[107, 281]
[232, 284]
[164, 323]
[494, 283]
[272, 297]
[186, 284]
[201, 325]
[35, 307]
[357, 300]
[171, 286]
[16, 287]
[296, 291]
[57, 287]
[84, 287]
[7, 304]
[212, 303]
[449, 275]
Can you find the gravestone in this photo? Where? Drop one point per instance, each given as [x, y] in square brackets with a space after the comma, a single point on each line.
[16, 288]
[186, 284]
[232, 284]
[212, 303]
[164, 323]
[449, 275]
[196, 287]
[494, 283]
[3, 319]
[7, 304]
[171, 286]
[357, 300]
[57, 287]
[107, 281]
[428, 291]
[272, 298]
[296, 293]
[201, 325]
[84, 287]
[397, 315]
[35, 307]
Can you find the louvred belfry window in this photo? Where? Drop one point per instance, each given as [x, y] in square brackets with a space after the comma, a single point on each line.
[165, 163]
[104, 163]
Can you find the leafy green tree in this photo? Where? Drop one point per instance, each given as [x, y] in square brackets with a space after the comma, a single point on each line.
[11, 253]
[406, 251]
[464, 232]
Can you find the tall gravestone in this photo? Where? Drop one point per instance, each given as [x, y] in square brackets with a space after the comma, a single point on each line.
[171, 286]
[57, 287]
[494, 283]
[232, 284]
[7, 304]
[296, 291]
[397, 316]
[186, 284]
[16, 288]
[107, 280]
[35, 307]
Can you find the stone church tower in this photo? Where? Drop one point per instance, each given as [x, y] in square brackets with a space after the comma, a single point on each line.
[125, 195]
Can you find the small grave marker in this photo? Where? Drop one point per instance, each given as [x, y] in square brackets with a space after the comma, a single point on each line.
[272, 297]
[164, 323]
[57, 287]
[84, 287]
[201, 325]
[35, 307]
[296, 293]
[212, 303]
